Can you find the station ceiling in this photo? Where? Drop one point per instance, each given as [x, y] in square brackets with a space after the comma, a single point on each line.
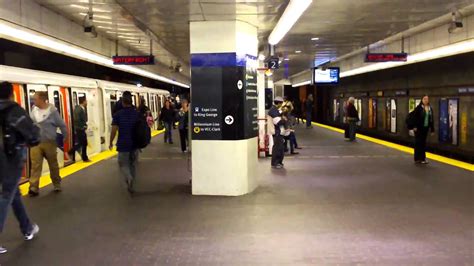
[341, 26]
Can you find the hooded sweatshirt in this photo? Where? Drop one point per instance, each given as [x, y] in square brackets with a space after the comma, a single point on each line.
[48, 120]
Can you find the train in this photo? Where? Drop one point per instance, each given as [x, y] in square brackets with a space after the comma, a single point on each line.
[64, 92]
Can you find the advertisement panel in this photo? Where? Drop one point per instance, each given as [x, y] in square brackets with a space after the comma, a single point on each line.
[372, 113]
[393, 115]
[453, 110]
[443, 121]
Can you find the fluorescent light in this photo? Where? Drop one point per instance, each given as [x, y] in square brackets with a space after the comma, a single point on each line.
[301, 83]
[445, 51]
[315, 39]
[287, 59]
[292, 13]
[14, 32]
[87, 8]
[97, 16]
[139, 85]
[298, 51]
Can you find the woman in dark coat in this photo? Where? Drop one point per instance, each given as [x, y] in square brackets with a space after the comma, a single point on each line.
[167, 116]
[352, 117]
[423, 123]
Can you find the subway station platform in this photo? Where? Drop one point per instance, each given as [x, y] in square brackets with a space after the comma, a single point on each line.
[336, 203]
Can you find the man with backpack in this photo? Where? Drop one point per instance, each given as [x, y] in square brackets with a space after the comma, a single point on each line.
[17, 131]
[134, 134]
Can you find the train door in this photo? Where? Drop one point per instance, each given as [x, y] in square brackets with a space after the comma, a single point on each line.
[111, 99]
[59, 97]
[19, 96]
[93, 117]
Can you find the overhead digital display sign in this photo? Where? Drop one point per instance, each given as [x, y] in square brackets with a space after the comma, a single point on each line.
[134, 60]
[386, 57]
[326, 75]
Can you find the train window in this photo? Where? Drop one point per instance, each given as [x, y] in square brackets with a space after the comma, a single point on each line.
[32, 98]
[80, 96]
[113, 101]
[57, 102]
[74, 99]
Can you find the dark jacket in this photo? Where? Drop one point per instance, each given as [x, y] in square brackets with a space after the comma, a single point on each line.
[167, 115]
[352, 113]
[18, 126]
[308, 106]
[275, 114]
[183, 120]
[80, 118]
[419, 118]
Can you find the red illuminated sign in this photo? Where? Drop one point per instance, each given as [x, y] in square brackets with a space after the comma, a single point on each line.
[134, 60]
[386, 57]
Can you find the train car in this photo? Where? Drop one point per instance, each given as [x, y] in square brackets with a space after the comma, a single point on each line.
[64, 92]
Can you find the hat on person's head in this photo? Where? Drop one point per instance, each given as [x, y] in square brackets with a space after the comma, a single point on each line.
[278, 99]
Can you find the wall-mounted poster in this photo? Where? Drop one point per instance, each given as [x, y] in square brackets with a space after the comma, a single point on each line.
[393, 115]
[443, 121]
[413, 103]
[372, 113]
[358, 106]
[344, 106]
[453, 109]
[335, 110]
[387, 115]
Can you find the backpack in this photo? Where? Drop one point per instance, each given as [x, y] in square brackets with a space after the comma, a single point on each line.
[7, 138]
[141, 133]
[411, 120]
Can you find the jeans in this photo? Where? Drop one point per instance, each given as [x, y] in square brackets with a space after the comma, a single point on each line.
[48, 150]
[420, 143]
[292, 140]
[183, 136]
[81, 144]
[127, 162]
[352, 130]
[308, 119]
[168, 132]
[278, 150]
[10, 195]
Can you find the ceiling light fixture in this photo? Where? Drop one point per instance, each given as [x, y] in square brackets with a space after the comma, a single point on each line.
[298, 51]
[87, 8]
[292, 13]
[96, 16]
[19, 34]
[315, 39]
[301, 83]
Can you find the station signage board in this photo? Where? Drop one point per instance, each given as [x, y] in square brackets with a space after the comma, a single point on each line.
[385, 57]
[273, 63]
[134, 60]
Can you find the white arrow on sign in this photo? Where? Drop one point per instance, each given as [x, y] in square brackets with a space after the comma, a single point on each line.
[229, 120]
[240, 85]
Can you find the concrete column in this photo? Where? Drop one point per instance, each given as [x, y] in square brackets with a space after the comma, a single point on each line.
[261, 107]
[224, 109]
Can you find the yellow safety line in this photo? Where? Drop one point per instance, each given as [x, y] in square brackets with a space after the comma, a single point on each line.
[432, 156]
[73, 168]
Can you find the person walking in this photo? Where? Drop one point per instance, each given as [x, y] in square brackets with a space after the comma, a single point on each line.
[423, 123]
[278, 150]
[183, 124]
[167, 116]
[124, 122]
[309, 111]
[80, 127]
[352, 117]
[47, 118]
[118, 105]
[17, 131]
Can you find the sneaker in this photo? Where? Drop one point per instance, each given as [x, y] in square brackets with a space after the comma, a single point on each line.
[294, 153]
[33, 232]
[278, 166]
[32, 193]
[3, 250]
[425, 162]
[58, 189]
[87, 161]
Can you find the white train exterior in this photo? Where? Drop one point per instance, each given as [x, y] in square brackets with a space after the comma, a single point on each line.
[64, 91]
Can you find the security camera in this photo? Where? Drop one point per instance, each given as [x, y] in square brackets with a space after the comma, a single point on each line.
[89, 27]
[456, 23]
